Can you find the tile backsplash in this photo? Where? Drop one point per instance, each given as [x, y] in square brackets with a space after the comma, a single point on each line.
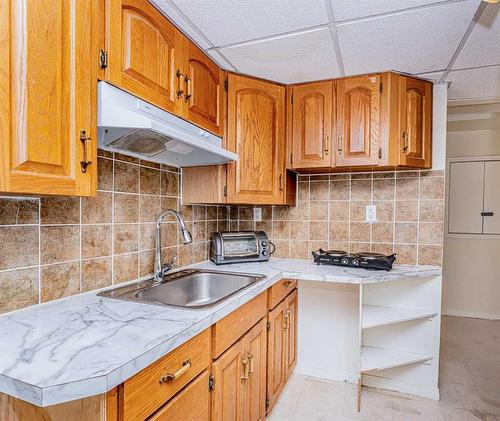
[52, 247]
[330, 214]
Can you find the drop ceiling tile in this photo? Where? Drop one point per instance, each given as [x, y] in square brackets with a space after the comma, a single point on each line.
[226, 22]
[416, 41]
[483, 46]
[349, 9]
[288, 59]
[480, 83]
[173, 15]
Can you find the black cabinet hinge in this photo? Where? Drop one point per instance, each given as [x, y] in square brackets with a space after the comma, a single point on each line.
[225, 191]
[268, 326]
[381, 87]
[379, 153]
[226, 85]
[103, 58]
[291, 99]
[267, 403]
[291, 158]
[211, 382]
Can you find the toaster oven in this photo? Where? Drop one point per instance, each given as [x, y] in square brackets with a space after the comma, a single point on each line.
[239, 246]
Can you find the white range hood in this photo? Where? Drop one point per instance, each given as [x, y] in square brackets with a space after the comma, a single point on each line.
[131, 126]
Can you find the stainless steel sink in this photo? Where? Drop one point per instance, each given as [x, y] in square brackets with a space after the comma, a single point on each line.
[190, 288]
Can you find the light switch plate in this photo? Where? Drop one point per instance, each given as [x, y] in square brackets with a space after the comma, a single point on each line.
[257, 214]
[371, 213]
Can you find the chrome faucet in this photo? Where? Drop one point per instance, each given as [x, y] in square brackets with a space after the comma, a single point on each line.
[160, 269]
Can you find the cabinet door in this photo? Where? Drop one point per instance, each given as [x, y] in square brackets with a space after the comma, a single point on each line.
[415, 122]
[276, 353]
[312, 125]
[228, 395]
[358, 120]
[491, 223]
[291, 333]
[256, 132]
[204, 184]
[192, 404]
[143, 49]
[48, 77]
[204, 91]
[255, 395]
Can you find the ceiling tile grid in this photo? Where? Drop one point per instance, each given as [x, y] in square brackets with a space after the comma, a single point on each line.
[474, 84]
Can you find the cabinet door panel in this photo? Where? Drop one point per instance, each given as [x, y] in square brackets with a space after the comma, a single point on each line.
[47, 86]
[256, 130]
[358, 120]
[415, 120]
[291, 333]
[256, 346]
[466, 197]
[205, 91]
[142, 48]
[492, 197]
[312, 125]
[228, 394]
[276, 354]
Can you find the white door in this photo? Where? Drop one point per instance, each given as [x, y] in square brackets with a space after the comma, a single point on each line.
[491, 209]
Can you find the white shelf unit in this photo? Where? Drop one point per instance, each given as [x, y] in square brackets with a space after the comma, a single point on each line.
[376, 315]
[382, 359]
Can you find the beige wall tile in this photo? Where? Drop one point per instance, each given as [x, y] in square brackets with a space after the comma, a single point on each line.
[299, 230]
[247, 226]
[104, 174]
[407, 211]
[383, 189]
[339, 190]
[223, 214]
[19, 247]
[199, 252]
[430, 255]
[126, 208]
[266, 226]
[338, 245]
[431, 188]
[406, 188]
[125, 238]
[150, 208]
[173, 203]
[405, 254]
[319, 190]
[126, 177]
[150, 164]
[200, 213]
[126, 158]
[430, 233]
[60, 210]
[385, 211]
[146, 263]
[318, 211]
[303, 191]
[280, 213]
[60, 243]
[169, 183]
[281, 230]
[382, 232]
[149, 181]
[282, 248]
[147, 236]
[96, 273]
[98, 209]
[96, 241]
[61, 280]
[125, 268]
[211, 213]
[299, 250]
[384, 248]
[185, 255]
[199, 231]
[169, 234]
[318, 231]
[300, 212]
[358, 210]
[361, 189]
[360, 232]
[406, 233]
[431, 210]
[245, 213]
[15, 211]
[18, 289]
[338, 231]
[339, 210]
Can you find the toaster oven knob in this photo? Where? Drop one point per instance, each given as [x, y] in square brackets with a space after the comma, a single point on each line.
[264, 243]
[264, 252]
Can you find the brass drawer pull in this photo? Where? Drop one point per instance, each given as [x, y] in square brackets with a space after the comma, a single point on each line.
[286, 322]
[86, 145]
[186, 365]
[326, 147]
[180, 91]
[250, 363]
[246, 367]
[188, 95]
[405, 141]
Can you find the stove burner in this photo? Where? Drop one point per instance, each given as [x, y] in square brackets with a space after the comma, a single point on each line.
[366, 260]
[370, 256]
[333, 252]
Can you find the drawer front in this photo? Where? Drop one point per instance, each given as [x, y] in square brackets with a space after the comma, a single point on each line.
[152, 387]
[232, 327]
[280, 290]
[191, 404]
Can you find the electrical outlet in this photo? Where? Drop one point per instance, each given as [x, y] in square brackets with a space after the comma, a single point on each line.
[371, 213]
[257, 214]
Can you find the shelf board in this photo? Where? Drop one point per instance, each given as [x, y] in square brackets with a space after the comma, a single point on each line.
[382, 359]
[381, 316]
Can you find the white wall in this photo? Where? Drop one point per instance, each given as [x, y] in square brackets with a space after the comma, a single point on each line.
[471, 267]
[439, 113]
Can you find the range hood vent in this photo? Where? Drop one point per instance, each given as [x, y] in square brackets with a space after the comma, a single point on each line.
[131, 126]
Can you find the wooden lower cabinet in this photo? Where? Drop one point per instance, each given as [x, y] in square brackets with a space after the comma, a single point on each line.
[282, 346]
[192, 404]
[240, 378]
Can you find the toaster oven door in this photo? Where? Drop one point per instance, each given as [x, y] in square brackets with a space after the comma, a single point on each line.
[240, 245]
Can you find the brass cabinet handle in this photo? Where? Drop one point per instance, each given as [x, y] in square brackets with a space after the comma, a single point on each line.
[288, 319]
[281, 182]
[325, 146]
[339, 140]
[168, 377]
[86, 145]
[250, 363]
[288, 284]
[286, 323]
[179, 76]
[405, 141]
[188, 95]
[245, 364]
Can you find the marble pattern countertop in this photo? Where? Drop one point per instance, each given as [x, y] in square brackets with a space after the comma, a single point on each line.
[85, 345]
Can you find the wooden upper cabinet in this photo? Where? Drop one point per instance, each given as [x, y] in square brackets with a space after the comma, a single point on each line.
[312, 125]
[415, 122]
[256, 132]
[204, 91]
[143, 49]
[48, 99]
[358, 120]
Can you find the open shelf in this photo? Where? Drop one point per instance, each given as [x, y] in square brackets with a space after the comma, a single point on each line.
[381, 316]
[381, 359]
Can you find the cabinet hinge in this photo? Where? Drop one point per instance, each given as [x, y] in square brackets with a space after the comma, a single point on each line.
[291, 99]
[226, 85]
[381, 87]
[267, 403]
[103, 58]
[291, 158]
[225, 191]
[268, 326]
[211, 382]
[379, 153]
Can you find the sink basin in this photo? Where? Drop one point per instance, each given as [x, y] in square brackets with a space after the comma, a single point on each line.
[190, 288]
